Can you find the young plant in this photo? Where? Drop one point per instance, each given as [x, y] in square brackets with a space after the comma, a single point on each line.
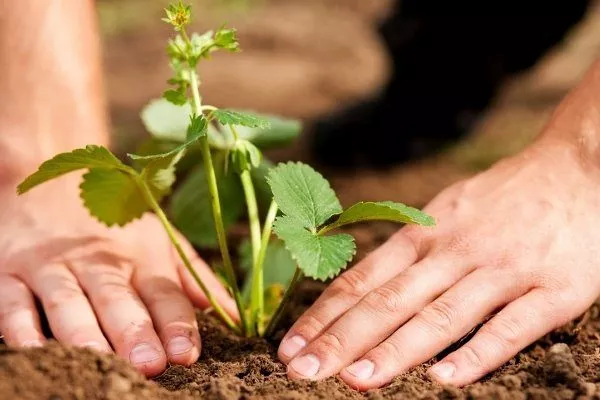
[218, 151]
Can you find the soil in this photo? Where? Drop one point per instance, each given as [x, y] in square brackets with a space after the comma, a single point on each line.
[562, 365]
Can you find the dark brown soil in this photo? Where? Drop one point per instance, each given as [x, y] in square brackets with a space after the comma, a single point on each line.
[563, 365]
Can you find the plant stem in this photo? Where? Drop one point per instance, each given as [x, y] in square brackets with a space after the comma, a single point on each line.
[216, 204]
[186, 261]
[256, 298]
[258, 283]
[284, 302]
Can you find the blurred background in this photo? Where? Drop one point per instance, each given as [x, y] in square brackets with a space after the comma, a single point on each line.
[311, 59]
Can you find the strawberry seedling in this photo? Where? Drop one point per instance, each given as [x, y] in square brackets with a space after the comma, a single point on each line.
[219, 152]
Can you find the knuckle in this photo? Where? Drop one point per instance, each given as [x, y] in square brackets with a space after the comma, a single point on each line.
[63, 297]
[387, 298]
[136, 332]
[352, 283]
[309, 326]
[412, 237]
[111, 293]
[439, 317]
[163, 293]
[331, 343]
[505, 331]
[7, 309]
[472, 356]
[460, 244]
[389, 351]
[79, 334]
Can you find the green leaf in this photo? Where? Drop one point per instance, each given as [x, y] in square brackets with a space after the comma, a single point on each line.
[197, 127]
[201, 45]
[166, 121]
[303, 193]
[192, 136]
[159, 174]
[279, 265]
[230, 117]
[319, 257]
[245, 156]
[90, 157]
[112, 196]
[226, 39]
[381, 211]
[281, 132]
[176, 97]
[191, 210]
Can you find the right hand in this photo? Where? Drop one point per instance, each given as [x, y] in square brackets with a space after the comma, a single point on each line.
[120, 288]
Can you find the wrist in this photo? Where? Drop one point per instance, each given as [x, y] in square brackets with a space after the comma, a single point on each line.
[575, 124]
[21, 154]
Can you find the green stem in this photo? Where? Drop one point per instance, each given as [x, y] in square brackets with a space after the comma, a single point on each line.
[216, 205]
[256, 299]
[325, 229]
[186, 261]
[284, 302]
[258, 283]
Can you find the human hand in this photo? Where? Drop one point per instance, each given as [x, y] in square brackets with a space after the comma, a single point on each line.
[120, 288]
[520, 239]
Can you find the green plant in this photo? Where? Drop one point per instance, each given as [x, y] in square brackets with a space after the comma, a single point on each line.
[298, 204]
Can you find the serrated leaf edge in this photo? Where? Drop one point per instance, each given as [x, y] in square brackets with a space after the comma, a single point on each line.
[299, 163]
[329, 276]
[97, 218]
[90, 147]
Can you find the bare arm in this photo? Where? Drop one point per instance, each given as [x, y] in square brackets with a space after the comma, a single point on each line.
[99, 288]
[576, 121]
[50, 81]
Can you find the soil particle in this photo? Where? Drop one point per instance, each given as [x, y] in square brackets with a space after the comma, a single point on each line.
[560, 368]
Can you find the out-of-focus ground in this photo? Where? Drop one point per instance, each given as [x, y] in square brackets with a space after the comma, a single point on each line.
[305, 58]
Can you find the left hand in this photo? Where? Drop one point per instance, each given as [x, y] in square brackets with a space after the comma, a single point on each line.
[521, 238]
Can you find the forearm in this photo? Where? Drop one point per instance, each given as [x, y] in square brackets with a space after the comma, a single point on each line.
[50, 81]
[576, 121]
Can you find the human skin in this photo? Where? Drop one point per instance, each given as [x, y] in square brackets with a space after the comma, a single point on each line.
[518, 242]
[121, 290]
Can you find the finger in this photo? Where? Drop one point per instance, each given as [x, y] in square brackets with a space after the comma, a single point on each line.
[173, 315]
[519, 324]
[122, 314]
[438, 325]
[208, 277]
[378, 315]
[70, 315]
[19, 318]
[347, 290]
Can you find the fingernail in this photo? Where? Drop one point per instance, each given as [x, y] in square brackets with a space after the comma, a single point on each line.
[32, 343]
[143, 353]
[443, 370]
[362, 369]
[179, 345]
[292, 346]
[307, 365]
